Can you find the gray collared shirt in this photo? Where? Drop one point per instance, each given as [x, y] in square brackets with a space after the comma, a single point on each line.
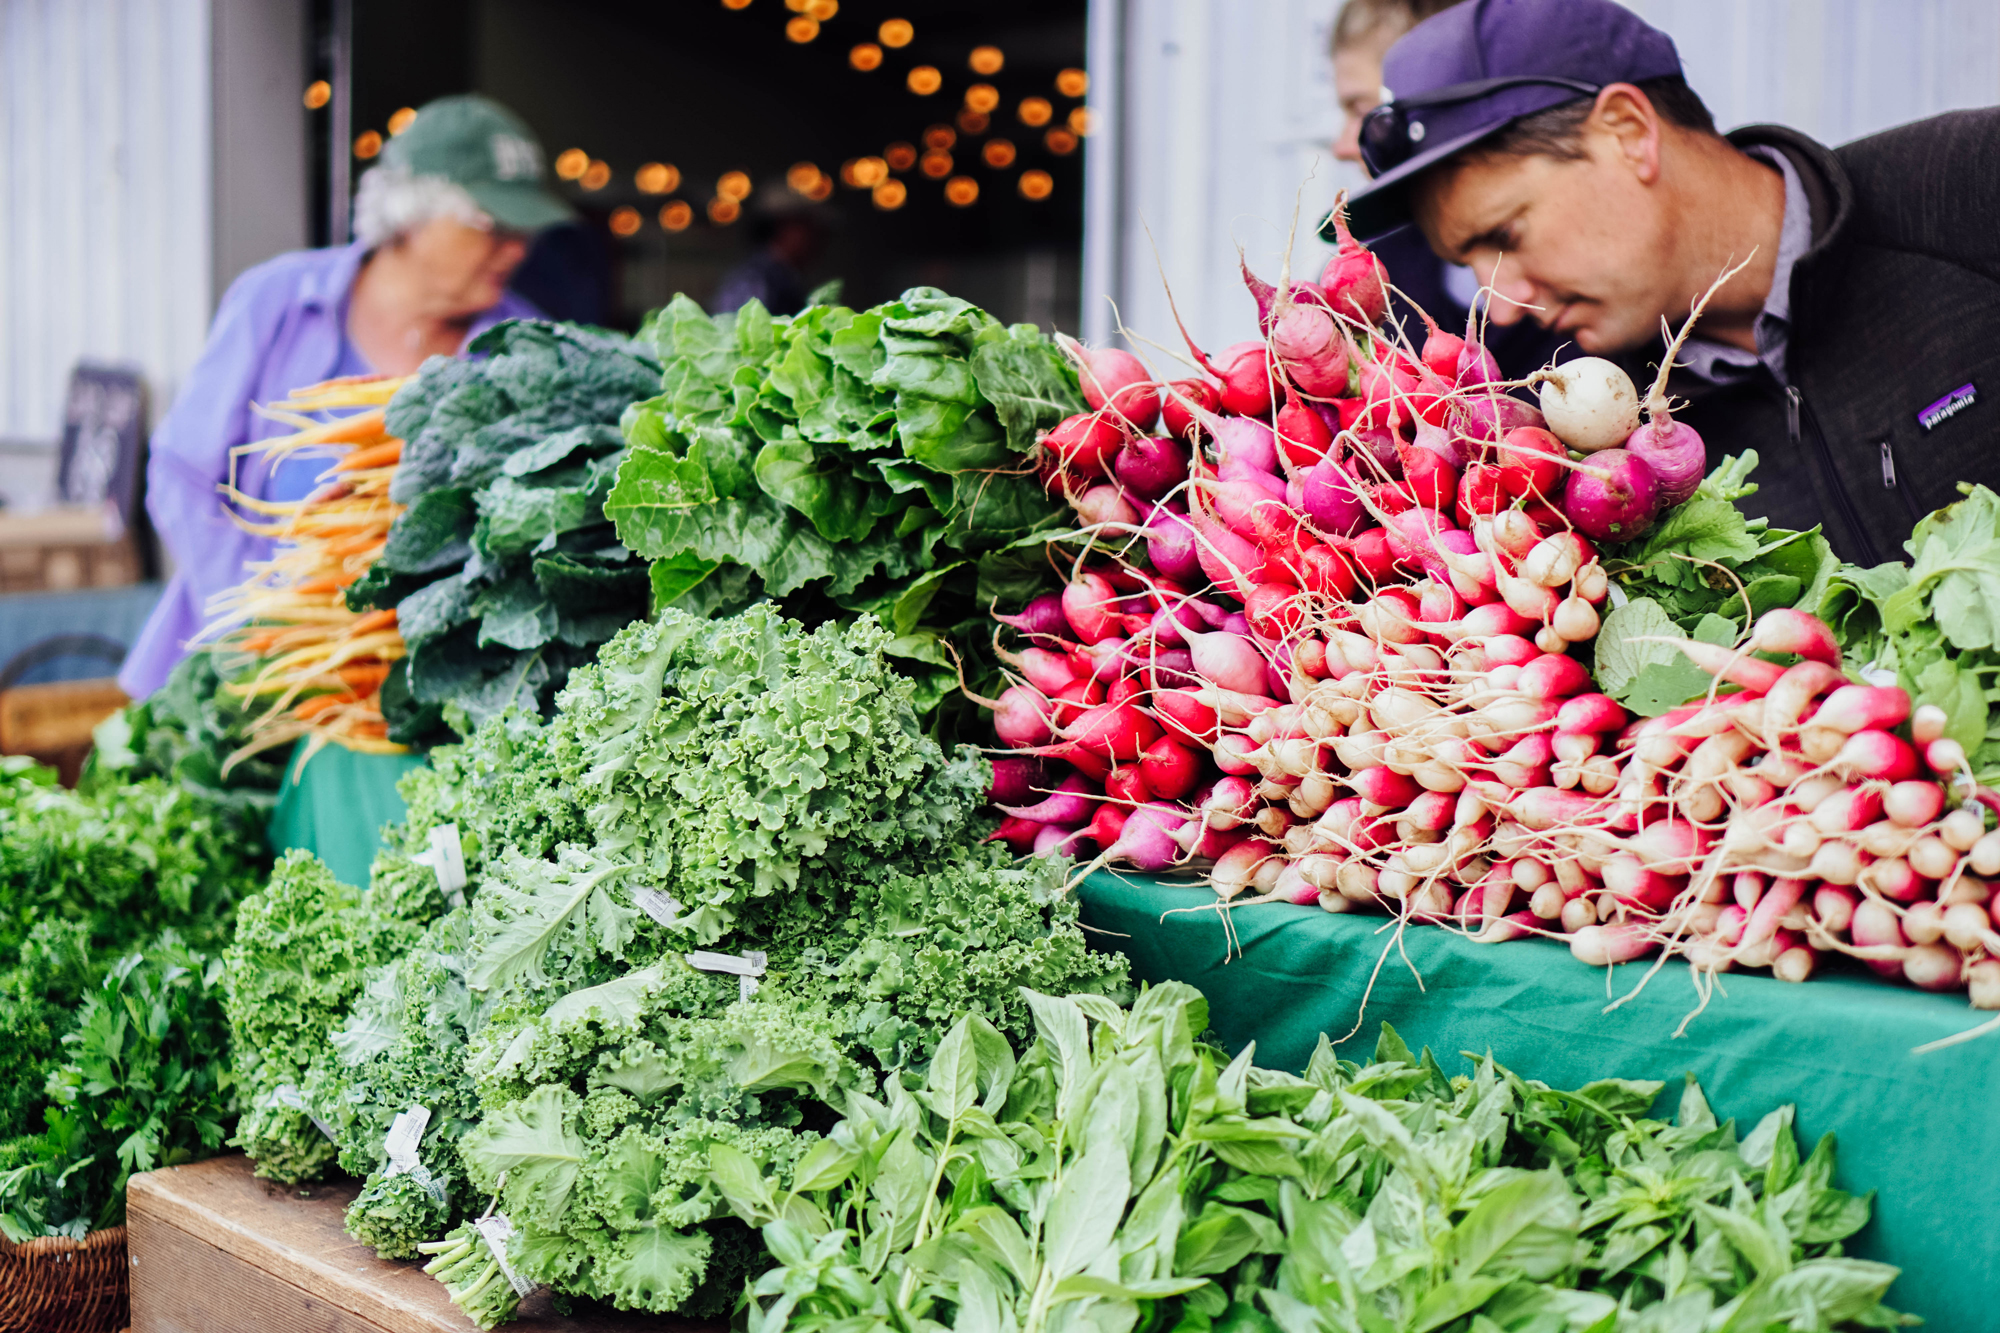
[1721, 363]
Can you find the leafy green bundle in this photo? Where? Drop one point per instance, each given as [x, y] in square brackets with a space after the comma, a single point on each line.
[1128, 1178]
[185, 731]
[1703, 571]
[777, 783]
[1935, 622]
[144, 1083]
[847, 462]
[503, 570]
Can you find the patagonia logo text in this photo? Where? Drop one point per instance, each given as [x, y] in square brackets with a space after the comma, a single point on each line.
[1947, 407]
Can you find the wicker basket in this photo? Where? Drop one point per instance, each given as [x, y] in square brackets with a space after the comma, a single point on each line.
[57, 1285]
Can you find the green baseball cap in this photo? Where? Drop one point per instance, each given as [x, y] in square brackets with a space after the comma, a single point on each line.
[485, 149]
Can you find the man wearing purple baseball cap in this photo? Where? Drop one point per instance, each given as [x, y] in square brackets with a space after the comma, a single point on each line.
[1555, 145]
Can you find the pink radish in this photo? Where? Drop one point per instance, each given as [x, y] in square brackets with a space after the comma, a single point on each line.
[1070, 805]
[1752, 673]
[1835, 906]
[1021, 717]
[1602, 946]
[1590, 713]
[1877, 754]
[1932, 967]
[1118, 732]
[1384, 787]
[1053, 839]
[1354, 280]
[1875, 926]
[1230, 561]
[1243, 865]
[1312, 349]
[1117, 382]
[1046, 671]
[1105, 505]
[1303, 438]
[1553, 677]
[1229, 660]
[1171, 544]
[1018, 834]
[1146, 842]
[1041, 619]
[1783, 630]
[1332, 500]
[1613, 498]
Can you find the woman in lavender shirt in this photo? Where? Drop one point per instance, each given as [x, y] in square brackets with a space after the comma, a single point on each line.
[443, 221]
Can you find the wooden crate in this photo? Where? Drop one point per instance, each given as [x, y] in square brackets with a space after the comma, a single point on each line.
[64, 548]
[53, 722]
[216, 1250]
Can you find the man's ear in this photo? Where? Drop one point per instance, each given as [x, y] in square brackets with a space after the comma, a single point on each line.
[1625, 114]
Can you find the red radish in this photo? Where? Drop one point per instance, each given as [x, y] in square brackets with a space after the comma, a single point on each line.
[1553, 677]
[1614, 498]
[1046, 671]
[1124, 690]
[1015, 778]
[1442, 351]
[1384, 787]
[1354, 280]
[1021, 717]
[1085, 442]
[1877, 754]
[1493, 619]
[1589, 402]
[1018, 834]
[1105, 505]
[1530, 461]
[1185, 402]
[1184, 714]
[1070, 805]
[1329, 572]
[1230, 803]
[1127, 785]
[1229, 561]
[1853, 708]
[1149, 465]
[1633, 883]
[1428, 479]
[1170, 768]
[1169, 669]
[1488, 416]
[1783, 630]
[1481, 490]
[1118, 732]
[1245, 371]
[1146, 840]
[1273, 610]
[1106, 825]
[1089, 604]
[1302, 437]
[1115, 382]
[1508, 648]
[1390, 383]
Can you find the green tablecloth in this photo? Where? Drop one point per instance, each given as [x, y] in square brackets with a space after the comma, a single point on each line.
[335, 807]
[1922, 1129]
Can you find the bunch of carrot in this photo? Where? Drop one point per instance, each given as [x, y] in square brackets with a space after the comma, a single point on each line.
[1318, 650]
[308, 666]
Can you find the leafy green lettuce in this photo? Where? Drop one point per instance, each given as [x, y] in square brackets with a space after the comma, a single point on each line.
[846, 462]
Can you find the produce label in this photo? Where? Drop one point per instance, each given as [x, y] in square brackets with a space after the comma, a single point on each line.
[496, 1229]
[657, 905]
[747, 967]
[447, 858]
[405, 1133]
[287, 1095]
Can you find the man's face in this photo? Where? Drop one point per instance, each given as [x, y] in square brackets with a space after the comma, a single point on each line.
[465, 269]
[1357, 86]
[1586, 241]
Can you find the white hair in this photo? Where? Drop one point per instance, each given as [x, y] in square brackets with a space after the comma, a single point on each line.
[393, 200]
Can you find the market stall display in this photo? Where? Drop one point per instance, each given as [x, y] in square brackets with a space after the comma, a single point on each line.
[1364, 628]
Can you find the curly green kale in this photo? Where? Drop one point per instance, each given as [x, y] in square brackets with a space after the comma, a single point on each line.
[296, 965]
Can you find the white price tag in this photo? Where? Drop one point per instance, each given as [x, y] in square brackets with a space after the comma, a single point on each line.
[288, 1096]
[746, 967]
[446, 858]
[496, 1230]
[405, 1133]
[657, 905]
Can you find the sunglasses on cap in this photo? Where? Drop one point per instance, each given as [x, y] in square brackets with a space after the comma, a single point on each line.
[1394, 132]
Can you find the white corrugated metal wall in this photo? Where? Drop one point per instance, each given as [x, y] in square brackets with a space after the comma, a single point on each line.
[1216, 112]
[105, 226]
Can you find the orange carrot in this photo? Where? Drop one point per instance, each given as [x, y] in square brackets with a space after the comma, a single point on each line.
[364, 678]
[360, 427]
[375, 455]
[370, 622]
[320, 703]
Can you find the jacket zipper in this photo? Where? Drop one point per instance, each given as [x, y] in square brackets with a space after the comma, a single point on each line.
[1890, 482]
[1795, 409]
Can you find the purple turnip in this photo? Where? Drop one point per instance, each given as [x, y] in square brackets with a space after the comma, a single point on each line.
[1613, 498]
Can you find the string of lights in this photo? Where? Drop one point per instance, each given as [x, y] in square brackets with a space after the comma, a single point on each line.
[877, 174]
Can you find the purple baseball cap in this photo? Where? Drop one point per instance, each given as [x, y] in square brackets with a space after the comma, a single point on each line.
[1471, 71]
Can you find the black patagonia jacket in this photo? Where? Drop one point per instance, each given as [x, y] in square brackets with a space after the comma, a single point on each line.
[1895, 339]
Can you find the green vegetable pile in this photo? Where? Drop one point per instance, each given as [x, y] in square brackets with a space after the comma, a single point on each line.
[503, 570]
[1129, 1177]
[737, 793]
[848, 462]
[1706, 572]
[1935, 622]
[185, 731]
[112, 902]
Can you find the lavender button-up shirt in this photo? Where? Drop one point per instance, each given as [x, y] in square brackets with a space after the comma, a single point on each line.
[280, 327]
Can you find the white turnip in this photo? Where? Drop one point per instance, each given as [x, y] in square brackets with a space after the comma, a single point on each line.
[1589, 403]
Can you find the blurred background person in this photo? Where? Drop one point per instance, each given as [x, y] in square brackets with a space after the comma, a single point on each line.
[1363, 32]
[790, 234]
[442, 222]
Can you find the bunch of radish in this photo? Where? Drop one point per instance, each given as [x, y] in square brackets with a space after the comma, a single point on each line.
[1798, 814]
[1318, 650]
